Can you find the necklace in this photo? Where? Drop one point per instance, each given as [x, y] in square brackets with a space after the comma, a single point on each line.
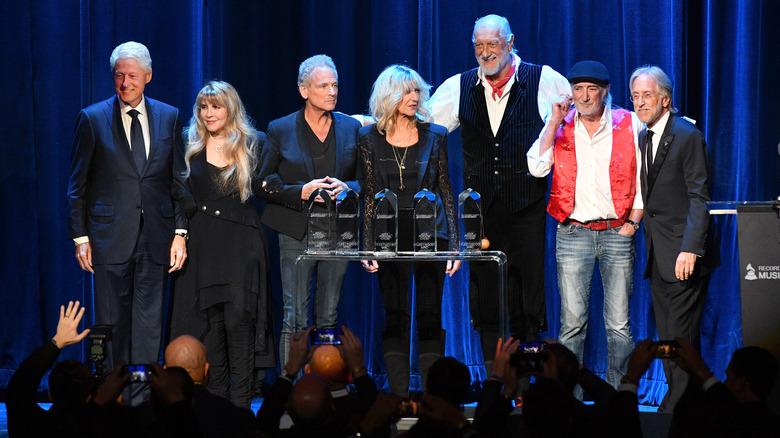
[401, 162]
[219, 147]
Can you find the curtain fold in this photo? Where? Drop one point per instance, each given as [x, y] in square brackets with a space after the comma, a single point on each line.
[721, 56]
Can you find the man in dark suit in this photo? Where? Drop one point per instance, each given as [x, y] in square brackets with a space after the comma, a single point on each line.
[127, 201]
[310, 149]
[501, 107]
[675, 187]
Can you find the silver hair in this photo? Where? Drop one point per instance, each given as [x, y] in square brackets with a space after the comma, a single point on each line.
[132, 50]
[495, 21]
[662, 81]
[307, 67]
[389, 89]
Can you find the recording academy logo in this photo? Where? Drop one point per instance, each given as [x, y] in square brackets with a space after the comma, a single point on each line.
[751, 273]
[762, 273]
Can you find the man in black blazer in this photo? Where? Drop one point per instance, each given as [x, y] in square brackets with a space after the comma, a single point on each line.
[675, 187]
[127, 200]
[314, 148]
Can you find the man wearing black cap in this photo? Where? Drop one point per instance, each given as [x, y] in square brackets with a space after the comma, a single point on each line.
[595, 196]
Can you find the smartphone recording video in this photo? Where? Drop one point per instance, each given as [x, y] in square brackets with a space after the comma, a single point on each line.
[528, 357]
[665, 349]
[139, 373]
[326, 336]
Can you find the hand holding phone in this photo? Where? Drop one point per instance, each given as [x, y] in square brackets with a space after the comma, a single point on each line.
[666, 349]
[326, 336]
[139, 373]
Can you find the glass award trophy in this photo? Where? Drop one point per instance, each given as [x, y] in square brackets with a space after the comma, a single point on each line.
[347, 221]
[320, 219]
[425, 221]
[470, 210]
[386, 222]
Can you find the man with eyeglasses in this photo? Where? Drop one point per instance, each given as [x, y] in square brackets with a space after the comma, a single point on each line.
[595, 198]
[501, 107]
[675, 190]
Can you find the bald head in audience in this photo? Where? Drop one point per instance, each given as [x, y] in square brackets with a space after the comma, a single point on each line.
[310, 402]
[189, 353]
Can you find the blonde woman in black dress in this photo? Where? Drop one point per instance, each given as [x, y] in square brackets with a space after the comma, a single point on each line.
[405, 153]
[221, 295]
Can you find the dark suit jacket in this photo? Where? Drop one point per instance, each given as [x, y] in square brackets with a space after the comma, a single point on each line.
[106, 193]
[432, 174]
[675, 194]
[286, 154]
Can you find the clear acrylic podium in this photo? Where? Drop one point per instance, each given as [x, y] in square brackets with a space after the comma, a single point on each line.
[481, 256]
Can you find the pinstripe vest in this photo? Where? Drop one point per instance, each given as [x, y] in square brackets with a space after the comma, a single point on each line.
[496, 166]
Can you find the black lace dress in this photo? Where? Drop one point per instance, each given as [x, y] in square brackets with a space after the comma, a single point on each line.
[425, 168]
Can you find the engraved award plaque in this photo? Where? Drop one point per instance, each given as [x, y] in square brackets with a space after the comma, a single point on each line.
[320, 222]
[470, 210]
[425, 221]
[386, 222]
[347, 221]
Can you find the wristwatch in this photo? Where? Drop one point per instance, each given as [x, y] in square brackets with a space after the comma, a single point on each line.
[633, 224]
[184, 234]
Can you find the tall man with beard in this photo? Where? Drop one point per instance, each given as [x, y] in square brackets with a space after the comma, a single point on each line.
[501, 107]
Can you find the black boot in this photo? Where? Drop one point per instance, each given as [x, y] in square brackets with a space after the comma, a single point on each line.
[397, 365]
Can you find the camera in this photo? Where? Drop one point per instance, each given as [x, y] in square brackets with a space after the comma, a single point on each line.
[139, 373]
[408, 408]
[665, 349]
[326, 336]
[99, 337]
[528, 357]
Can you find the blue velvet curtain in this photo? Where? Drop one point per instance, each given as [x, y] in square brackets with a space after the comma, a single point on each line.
[721, 56]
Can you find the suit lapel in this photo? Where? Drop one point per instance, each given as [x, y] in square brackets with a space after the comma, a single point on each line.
[303, 143]
[423, 154]
[339, 144]
[153, 117]
[660, 154]
[114, 117]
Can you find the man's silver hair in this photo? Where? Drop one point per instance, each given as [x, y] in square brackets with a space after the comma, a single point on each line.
[663, 82]
[132, 50]
[307, 67]
[493, 20]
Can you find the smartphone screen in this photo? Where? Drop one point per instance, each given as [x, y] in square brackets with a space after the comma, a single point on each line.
[138, 373]
[665, 349]
[326, 336]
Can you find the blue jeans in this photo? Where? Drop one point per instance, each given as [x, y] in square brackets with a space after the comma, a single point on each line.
[296, 291]
[576, 251]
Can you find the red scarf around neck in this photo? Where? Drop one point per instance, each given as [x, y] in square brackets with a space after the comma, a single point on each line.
[497, 86]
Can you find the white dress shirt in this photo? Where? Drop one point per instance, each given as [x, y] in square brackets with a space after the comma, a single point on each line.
[592, 192]
[445, 102]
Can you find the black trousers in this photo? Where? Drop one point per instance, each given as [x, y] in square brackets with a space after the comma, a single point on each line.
[230, 345]
[429, 284]
[521, 237]
[678, 309]
[129, 297]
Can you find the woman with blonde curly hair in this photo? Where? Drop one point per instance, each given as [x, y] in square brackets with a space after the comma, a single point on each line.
[406, 153]
[221, 295]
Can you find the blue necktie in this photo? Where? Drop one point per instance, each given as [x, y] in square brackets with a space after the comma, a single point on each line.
[137, 141]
